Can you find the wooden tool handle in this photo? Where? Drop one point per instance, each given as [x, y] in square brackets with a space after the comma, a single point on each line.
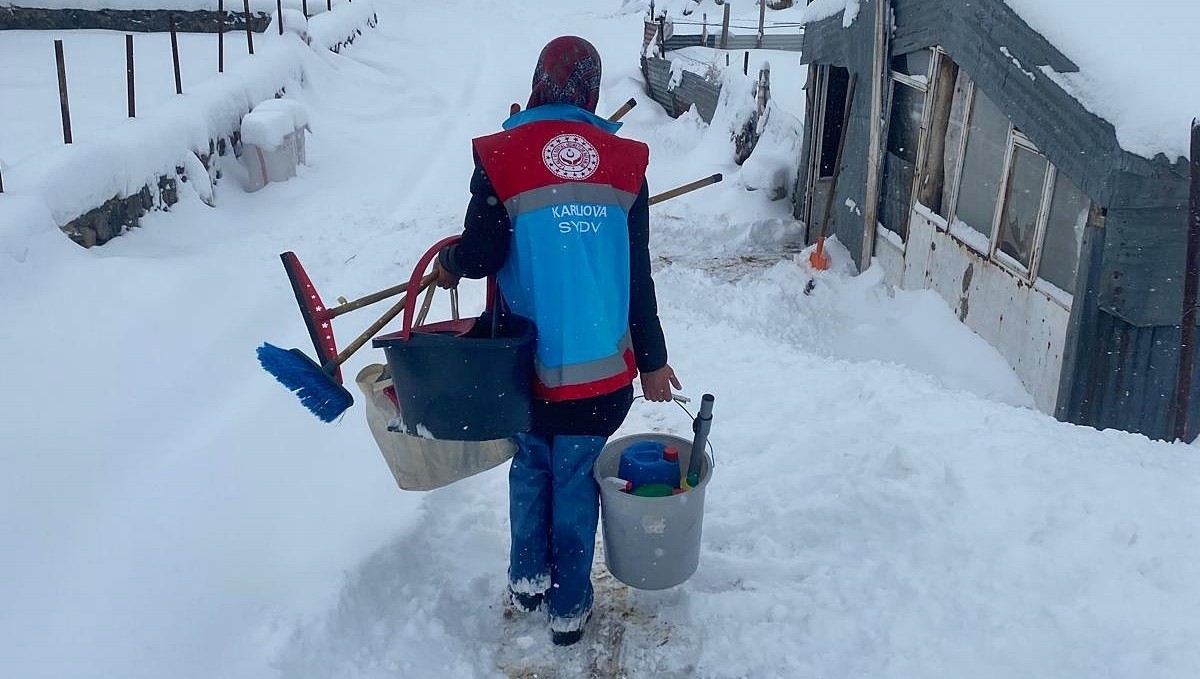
[365, 301]
[625, 108]
[395, 311]
[686, 188]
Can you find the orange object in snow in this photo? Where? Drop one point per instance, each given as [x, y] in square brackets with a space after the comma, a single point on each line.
[817, 258]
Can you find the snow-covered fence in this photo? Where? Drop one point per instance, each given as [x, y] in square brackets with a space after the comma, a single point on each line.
[138, 16]
[99, 187]
[676, 88]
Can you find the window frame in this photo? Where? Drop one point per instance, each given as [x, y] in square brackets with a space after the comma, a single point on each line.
[925, 86]
[1016, 139]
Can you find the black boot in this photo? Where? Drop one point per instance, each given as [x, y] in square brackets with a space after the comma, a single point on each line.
[526, 603]
[569, 637]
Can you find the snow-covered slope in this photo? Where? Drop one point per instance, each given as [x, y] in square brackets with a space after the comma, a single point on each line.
[885, 503]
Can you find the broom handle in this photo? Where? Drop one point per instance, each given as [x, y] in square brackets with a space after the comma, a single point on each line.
[365, 301]
[625, 108]
[395, 311]
[368, 300]
[686, 188]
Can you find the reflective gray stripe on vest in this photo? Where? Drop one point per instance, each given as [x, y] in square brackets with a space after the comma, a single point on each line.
[574, 192]
[582, 373]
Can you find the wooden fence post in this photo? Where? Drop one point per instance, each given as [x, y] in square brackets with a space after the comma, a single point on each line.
[725, 28]
[249, 32]
[762, 18]
[328, 5]
[129, 80]
[1191, 290]
[63, 104]
[220, 36]
[175, 57]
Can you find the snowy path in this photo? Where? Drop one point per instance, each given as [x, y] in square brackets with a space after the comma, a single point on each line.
[883, 504]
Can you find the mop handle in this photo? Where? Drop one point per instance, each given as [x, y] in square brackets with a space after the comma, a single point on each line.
[395, 311]
[701, 426]
[625, 108]
[686, 188]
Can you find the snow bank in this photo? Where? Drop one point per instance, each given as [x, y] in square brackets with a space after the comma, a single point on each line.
[75, 178]
[182, 5]
[72, 179]
[1137, 65]
[331, 29]
[823, 9]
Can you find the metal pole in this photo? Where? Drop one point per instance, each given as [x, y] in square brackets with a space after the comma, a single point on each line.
[304, 6]
[279, 11]
[129, 91]
[1, 180]
[746, 64]
[249, 33]
[762, 18]
[725, 28]
[220, 36]
[63, 103]
[328, 5]
[175, 57]
[1191, 290]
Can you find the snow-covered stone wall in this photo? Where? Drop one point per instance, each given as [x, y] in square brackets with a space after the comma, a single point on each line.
[130, 20]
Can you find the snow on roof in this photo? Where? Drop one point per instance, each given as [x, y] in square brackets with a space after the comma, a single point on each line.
[1139, 65]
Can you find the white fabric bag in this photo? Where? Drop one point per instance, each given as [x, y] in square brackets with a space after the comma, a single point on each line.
[422, 463]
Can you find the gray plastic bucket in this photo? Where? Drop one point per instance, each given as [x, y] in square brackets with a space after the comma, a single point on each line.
[651, 542]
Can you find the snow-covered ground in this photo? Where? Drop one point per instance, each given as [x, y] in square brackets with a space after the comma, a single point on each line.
[886, 503]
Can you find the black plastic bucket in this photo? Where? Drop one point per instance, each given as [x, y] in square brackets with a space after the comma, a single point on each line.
[461, 380]
[468, 386]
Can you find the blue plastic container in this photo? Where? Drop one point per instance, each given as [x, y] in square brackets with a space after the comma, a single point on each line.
[643, 463]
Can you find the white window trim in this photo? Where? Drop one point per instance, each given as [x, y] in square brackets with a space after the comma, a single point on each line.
[1028, 275]
[923, 84]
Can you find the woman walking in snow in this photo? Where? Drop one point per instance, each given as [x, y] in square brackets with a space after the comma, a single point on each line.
[559, 211]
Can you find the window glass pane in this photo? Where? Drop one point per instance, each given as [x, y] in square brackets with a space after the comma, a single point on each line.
[932, 179]
[954, 137]
[914, 63]
[838, 84]
[1022, 203]
[1064, 233]
[983, 165]
[900, 161]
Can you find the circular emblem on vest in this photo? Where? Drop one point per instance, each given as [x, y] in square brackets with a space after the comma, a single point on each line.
[570, 156]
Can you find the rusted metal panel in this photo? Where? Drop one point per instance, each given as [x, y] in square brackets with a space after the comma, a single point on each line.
[786, 42]
[692, 89]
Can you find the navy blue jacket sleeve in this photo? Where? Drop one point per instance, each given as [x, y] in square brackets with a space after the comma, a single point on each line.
[486, 234]
[649, 345]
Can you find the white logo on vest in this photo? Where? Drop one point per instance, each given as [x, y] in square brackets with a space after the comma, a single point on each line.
[570, 156]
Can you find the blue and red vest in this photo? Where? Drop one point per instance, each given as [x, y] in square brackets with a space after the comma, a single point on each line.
[568, 184]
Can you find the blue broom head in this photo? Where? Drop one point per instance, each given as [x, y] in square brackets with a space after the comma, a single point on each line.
[316, 389]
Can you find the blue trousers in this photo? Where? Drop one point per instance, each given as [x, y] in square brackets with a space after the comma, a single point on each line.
[554, 504]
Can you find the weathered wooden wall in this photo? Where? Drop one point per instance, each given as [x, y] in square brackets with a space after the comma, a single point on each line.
[1120, 350]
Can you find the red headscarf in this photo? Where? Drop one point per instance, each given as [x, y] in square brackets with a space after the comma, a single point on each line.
[568, 72]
